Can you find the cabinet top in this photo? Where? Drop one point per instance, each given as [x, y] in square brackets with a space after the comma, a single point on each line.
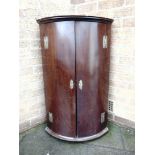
[74, 18]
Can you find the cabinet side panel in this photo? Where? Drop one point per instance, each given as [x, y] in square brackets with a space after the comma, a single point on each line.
[91, 58]
[46, 64]
[106, 66]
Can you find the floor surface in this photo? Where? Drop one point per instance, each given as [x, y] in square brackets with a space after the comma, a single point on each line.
[118, 141]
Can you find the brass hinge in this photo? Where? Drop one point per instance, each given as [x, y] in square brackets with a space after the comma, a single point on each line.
[50, 116]
[105, 41]
[45, 42]
[102, 117]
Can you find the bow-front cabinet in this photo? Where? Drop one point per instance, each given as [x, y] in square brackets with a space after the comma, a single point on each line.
[76, 58]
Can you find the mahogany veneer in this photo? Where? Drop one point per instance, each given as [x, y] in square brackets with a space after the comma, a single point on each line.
[76, 57]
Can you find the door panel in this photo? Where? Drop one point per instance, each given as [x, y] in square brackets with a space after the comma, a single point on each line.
[62, 53]
[90, 58]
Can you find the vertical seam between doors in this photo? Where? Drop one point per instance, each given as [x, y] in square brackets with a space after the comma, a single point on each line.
[75, 82]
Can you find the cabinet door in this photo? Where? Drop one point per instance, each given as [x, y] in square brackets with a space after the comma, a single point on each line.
[62, 68]
[90, 74]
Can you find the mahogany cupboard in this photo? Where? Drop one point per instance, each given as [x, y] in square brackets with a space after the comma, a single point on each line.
[75, 56]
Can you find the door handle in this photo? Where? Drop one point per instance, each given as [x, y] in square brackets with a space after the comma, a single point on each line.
[80, 84]
[71, 84]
